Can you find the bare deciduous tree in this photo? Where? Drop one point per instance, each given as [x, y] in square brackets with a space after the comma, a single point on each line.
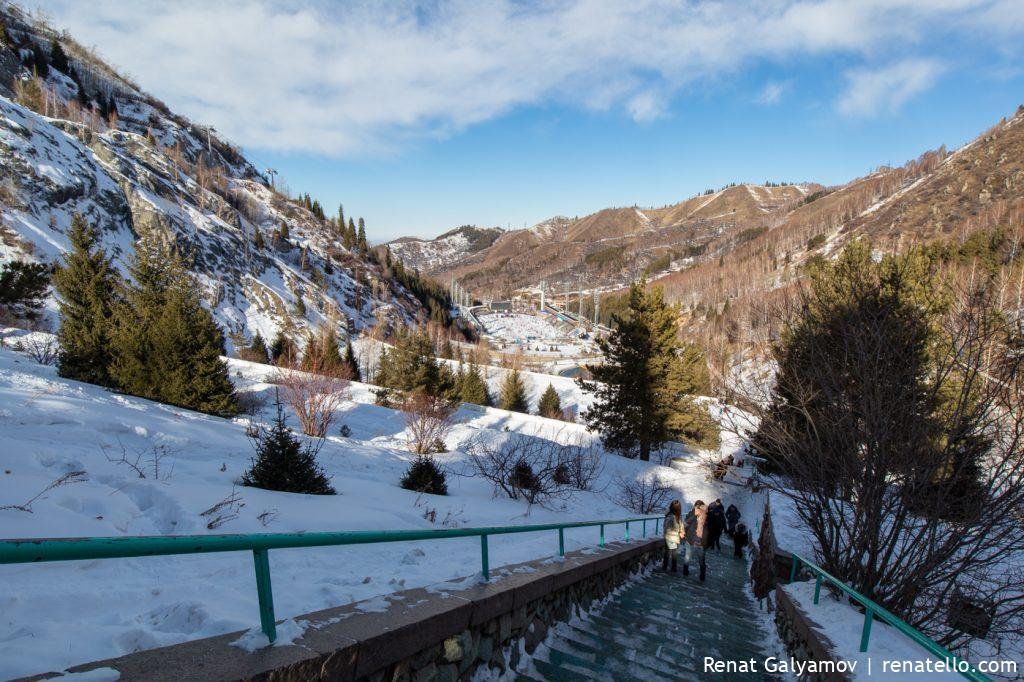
[428, 421]
[314, 397]
[42, 348]
[521, 467]
[644, 494]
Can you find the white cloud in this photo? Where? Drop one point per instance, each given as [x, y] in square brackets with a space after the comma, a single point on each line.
[886, 90]
[363, 77]
[772, 93]
[646, 106]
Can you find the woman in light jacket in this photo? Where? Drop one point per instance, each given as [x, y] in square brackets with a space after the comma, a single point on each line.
[672, 534]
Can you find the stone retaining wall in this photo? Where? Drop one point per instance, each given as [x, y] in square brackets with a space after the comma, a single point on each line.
[443, 632]
[802, 637]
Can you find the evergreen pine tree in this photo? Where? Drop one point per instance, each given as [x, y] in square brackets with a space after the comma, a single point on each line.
[636, 401]
[283, 350]
[40, 65]
[361, 239]
[322, 354]
[340, 225]
[351, 234]
[351, 362]
[167, 346]
[283, 464]
[474, 388]
[188, 346]
[83, 96]
[688, 421]
[133, 370]
[23, 287]
[87, 285]
[384, 378]
[550, 404]
[58, 58]
[259, 347]
[283, 233]
[258, 241]
[425, 476]
[411, 365]
[384, 371]
[513, 393]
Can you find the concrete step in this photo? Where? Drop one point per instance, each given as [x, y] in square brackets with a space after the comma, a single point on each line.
[660, 628]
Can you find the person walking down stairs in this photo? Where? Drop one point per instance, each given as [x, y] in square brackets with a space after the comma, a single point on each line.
[732, 517]
[740, 539]
[697, 534]
[673, 534]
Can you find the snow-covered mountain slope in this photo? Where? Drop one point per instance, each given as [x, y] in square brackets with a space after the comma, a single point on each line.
[64, 613]
[435, 255]
[130, 186]
[139, 169]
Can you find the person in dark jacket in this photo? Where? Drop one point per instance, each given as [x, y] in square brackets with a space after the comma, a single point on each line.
[732, 517]
[716, 519]
[697, 535]
[740, 539]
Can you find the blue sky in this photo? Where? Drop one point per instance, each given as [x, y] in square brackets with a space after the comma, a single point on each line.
[422, 116]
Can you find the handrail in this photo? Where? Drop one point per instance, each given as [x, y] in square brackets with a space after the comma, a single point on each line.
[33, 550]
[873, 610]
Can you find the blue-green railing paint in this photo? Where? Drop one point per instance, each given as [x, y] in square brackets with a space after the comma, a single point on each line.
[873, 610]
[484, 562]
[71, 549]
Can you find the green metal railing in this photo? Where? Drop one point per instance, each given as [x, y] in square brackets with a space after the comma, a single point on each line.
[873, 610]
[70, 549]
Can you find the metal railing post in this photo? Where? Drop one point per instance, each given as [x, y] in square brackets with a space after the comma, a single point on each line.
[484, 561]
[817, 588]
[645, 527]
[266, 595]
[561, 542]
[795, 561]
[865, 634]
[602, 535]
[627, 531]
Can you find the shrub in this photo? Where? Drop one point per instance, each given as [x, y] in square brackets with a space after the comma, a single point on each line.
[815, 241]
[428, 420]
[283, 464]
[316, 398]
[643, 495]
[425, 476]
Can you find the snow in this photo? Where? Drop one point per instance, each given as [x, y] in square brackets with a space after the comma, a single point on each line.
[842, 625]
[126, 186]
[64, 613]
[536, 333]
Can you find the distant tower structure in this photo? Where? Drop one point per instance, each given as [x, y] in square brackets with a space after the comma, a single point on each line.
[597, 306]
[580, 320]
[543, 288]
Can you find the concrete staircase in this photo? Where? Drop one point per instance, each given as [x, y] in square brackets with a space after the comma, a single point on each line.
[660, 629]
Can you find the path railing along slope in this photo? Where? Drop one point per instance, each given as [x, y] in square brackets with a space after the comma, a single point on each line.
[70, 549]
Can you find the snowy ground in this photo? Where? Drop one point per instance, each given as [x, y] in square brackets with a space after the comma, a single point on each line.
[59, 614]
[535, 333]
[841, 624]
